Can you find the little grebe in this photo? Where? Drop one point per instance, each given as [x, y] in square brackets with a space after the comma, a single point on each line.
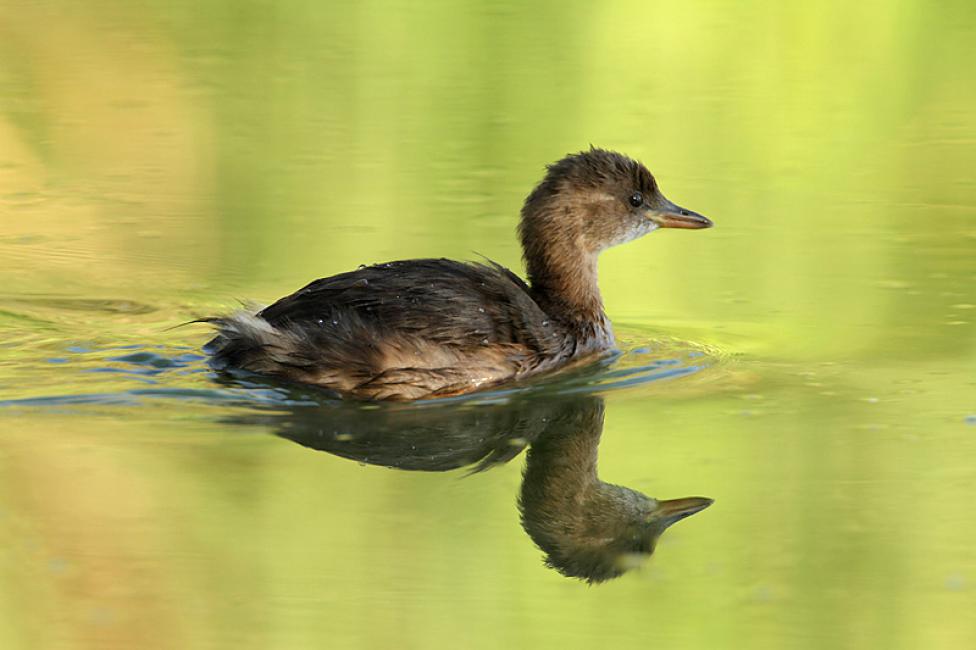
[428, 328]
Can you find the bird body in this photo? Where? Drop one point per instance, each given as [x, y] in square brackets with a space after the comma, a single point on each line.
[402, 330]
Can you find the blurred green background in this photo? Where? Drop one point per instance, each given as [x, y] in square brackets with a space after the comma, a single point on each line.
[159, 160]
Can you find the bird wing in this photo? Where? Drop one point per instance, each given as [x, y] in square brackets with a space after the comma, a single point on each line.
[440, 301]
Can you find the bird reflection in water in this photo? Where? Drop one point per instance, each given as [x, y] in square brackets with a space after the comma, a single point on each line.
[588, 529]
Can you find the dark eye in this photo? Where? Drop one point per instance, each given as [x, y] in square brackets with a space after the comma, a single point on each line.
[637, 199]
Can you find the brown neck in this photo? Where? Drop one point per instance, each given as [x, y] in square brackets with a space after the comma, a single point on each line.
[564, 281]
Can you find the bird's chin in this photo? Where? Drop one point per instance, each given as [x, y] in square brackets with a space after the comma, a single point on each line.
[647, 227]
[634, 232]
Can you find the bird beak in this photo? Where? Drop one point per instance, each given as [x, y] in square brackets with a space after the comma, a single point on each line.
[674, 510]
[669, 215]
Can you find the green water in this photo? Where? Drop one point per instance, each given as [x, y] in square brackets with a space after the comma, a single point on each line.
[160, 160]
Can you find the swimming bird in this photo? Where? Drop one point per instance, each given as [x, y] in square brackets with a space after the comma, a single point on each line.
[426, 328]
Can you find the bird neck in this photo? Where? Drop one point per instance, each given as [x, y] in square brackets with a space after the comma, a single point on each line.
[563, 277]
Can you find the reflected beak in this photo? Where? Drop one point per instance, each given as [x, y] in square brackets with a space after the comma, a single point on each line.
[669, 215]
[674, 510]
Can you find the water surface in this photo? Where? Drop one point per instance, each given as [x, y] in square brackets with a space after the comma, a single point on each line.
[810, 363]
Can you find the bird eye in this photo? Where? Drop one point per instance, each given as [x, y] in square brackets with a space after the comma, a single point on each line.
[636, 199]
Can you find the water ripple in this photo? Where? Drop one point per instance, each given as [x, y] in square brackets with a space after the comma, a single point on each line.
[143, 374]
